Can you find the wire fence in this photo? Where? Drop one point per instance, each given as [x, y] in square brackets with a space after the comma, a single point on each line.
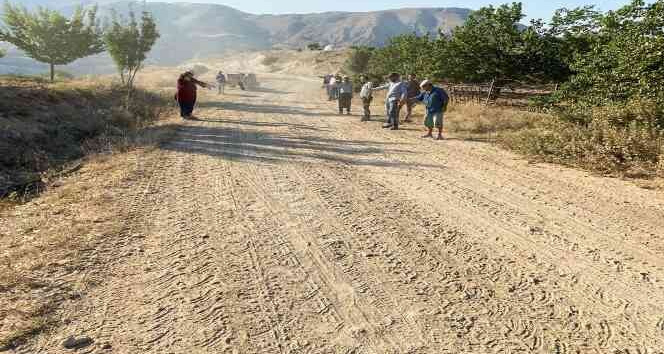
[516, 96]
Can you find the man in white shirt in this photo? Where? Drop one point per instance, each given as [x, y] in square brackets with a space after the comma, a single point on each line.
[332, 88]
[397, 92]
[221, 82]
[366, 94]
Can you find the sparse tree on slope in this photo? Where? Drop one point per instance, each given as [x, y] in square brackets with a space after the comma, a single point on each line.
[129, 42]
[358, 61]
[49, 37]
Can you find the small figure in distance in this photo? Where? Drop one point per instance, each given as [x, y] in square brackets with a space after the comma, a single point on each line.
[186, 94]
[366, 94]
[345, 95]
[221, 83]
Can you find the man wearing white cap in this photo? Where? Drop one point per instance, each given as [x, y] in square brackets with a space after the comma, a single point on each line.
[436, 100]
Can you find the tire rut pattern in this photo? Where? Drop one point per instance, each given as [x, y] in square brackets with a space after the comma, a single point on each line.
[297, 301]
[585, 279]
[372, 312]
[588, 288]
[524, 291]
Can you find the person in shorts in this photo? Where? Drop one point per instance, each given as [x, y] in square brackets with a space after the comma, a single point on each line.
[435, 99]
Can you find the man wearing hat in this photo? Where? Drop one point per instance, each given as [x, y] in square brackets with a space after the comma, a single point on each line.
[397, 92]
[435, 99]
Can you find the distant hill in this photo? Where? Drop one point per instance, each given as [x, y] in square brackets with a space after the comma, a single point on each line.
[195, 31]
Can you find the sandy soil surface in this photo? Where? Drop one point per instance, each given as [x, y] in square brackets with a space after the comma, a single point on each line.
[273, 225]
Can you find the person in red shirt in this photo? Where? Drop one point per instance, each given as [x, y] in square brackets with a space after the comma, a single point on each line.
[186, 94]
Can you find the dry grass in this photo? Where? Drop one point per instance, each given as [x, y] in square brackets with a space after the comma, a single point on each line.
[44, 126]
[598, 144]
[53, 245]
[481, 121]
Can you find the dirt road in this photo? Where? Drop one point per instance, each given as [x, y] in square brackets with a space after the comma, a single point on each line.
[273, 225]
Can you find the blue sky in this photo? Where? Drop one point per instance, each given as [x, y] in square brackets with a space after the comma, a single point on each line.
[533, 8]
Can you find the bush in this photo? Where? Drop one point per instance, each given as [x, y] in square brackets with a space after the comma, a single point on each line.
[269, 60]
[633, 150]
[314, 46]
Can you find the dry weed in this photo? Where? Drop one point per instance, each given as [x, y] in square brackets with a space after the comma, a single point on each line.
[53, 245]
[621, 141]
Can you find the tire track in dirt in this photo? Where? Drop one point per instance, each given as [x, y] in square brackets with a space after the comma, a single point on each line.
[472, 198]
[604, 325]
[368, 308]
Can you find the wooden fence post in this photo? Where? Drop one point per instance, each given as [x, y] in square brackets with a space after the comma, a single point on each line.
[488, 97]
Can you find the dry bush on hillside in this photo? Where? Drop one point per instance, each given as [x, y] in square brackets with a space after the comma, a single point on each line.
[623, 141]
[45, 126]
[270, 60]
[478, 119]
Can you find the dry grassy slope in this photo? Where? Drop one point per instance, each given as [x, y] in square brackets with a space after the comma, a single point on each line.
[292, 62]
[43, 126]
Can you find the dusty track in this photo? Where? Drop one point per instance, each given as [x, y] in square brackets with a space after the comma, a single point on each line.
[274, 226]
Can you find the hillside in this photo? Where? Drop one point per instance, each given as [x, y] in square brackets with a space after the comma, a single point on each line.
[196, 31]
[46, 126]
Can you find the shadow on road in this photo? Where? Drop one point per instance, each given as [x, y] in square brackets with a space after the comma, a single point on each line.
[259, 146]
[261, 108]
[240, 121]
[269, 90]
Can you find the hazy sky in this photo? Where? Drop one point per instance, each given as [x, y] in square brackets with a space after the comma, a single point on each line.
[533, 8]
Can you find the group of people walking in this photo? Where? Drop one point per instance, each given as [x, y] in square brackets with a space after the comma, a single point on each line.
[399, 93]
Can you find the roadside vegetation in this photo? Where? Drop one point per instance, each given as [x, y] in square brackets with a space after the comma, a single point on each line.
[608, 112]
[47, 124]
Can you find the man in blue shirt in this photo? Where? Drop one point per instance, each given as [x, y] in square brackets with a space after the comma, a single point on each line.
[436, 100]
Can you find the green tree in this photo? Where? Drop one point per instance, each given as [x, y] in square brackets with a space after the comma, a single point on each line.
[625, 56]
[358, 61]
[128, 42]
[404, 54]
[487, 45]
[314, 46]
[494, 45]
[49, 37]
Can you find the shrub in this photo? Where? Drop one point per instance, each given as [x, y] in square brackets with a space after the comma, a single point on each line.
[599, 146]
[270, 60]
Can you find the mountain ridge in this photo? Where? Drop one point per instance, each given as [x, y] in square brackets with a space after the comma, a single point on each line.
[193, 31]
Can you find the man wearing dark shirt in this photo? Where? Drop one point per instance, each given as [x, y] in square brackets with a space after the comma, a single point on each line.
[413, 91]
[186, 93]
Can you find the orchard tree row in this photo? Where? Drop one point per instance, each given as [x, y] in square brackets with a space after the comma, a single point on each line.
[598, 58]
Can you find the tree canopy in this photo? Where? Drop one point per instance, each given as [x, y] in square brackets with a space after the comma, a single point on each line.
[49, 37]
[129, 42]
